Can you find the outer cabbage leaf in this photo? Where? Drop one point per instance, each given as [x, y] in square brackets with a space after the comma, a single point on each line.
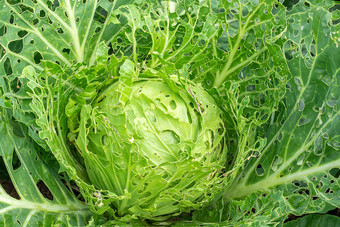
[297, 169]
[314, 220]
[28, 172]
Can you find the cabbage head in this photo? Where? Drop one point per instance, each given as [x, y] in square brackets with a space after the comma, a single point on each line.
[155, 145]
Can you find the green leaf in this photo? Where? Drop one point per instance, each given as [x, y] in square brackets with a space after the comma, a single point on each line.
[301, 158]
[28, 174]
[314, 220]
[66, 32]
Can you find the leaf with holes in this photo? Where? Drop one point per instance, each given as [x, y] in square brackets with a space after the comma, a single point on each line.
[32, 193]
[190, 112]
[297, 171]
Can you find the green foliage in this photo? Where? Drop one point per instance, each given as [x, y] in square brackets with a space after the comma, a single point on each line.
[249, 133]
[315, 220]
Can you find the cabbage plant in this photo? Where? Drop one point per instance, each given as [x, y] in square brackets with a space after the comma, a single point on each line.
[157, 146]
[169, 112]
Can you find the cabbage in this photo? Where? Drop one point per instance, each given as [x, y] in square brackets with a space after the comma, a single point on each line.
[155, 145]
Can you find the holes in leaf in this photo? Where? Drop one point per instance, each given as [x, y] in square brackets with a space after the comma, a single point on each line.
[11, 19]
[16, 46]
[300, 160]
[18, 222]
[165, 175]
[37, 57]
[104, 140]
[44, 190]
[22, 33]
[319, 185]
[66, 50]
[201, 43]
[35, 21]
[259, 170]
[303, 191]
[102, 13]
[97, 29]
[220, 130]
[303, 121]
[297, 81]
[55, 124]
[300, 184]
[8, 67]
[211, 137]
[318, 146]
[251, 87]
[17, 130]
[42, 13]
[32, 42]
[173, 104]
[331, 101]
[16, 163]
[245, 11]
[9, 188]
[60, 30]
[146, 194]
[295, 33]
[2, 52]
[280, 136]
[174, 183]
[335, 172]
[191, 185]
[3, 30]
[77, 19]
[309, 164]
[276, 163]
[301, 105]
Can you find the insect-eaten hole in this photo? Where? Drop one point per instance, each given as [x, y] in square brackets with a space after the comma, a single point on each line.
[104, 140]
[44, 190]
[335, 172]
[8, 67]
[2, 52]
[16, 46]
[15, 85]
[16, 163]
[5, 181]
[259, 170]
[35, 21]
[42, 13]
[66, 50]
[3, 30]
[37, 57]
[60, 30]
[22, 33]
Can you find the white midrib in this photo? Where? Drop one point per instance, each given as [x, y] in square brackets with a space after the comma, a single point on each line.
[45, 207]
[74, 32]
[243, 190]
